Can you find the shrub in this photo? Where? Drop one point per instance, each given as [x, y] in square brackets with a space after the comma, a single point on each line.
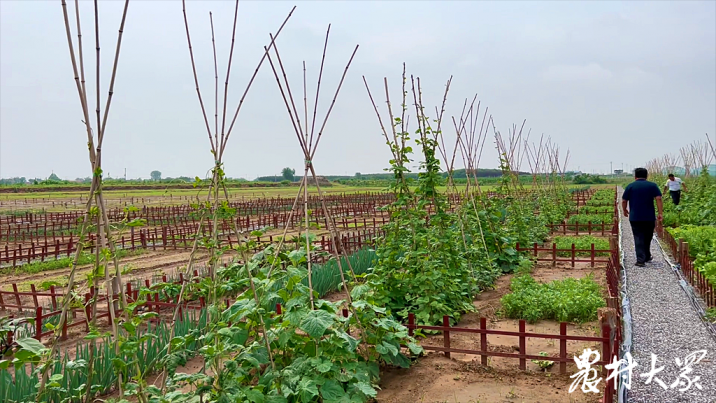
[581, 242]
[568, 300]
[596, 219]
[700, 238]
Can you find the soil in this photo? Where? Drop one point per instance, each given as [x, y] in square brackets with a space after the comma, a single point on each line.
[435, 378]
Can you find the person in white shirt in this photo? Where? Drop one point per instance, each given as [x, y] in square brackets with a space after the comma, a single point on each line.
[675, 185]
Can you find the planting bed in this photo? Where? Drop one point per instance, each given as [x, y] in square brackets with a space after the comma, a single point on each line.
[462, 378]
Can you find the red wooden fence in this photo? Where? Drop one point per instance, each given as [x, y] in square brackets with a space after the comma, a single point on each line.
[553, 255]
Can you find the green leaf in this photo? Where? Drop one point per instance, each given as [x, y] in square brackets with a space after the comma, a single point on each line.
[76, 364]
[308, 390]
[31, 345]
[332, 390]
[276, 399]
[415, 348]
[23, 356]
[352, 341]
[316, 323]
[324, 366]
[366, 389]
[388, 348]
[359, 290]
[400, 360]
[254, 396]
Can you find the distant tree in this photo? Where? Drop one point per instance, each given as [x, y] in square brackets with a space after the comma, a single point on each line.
[54, 177]
[156, 175]
[358, 175]
[13, 181]
[288, 174]
[587, 179]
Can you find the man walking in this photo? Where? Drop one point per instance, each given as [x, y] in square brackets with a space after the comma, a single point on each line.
[640, 195]
[674, 185]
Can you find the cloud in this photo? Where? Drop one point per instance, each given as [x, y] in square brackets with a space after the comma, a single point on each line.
[566, 72]
[635, 75]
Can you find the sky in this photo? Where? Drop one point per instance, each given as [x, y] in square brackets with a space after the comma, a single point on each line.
[615, 83]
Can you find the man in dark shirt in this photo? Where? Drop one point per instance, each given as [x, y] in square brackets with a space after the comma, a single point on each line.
[640, 195]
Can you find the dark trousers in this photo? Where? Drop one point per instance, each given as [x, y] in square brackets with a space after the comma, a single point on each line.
[675, 196]
[643, 233]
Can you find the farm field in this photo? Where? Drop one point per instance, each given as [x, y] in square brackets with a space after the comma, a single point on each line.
[155, 266]
[59, 201]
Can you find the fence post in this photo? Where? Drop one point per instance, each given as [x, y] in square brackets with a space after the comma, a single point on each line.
[17, 297]
[34, 295]
[523, 345]
[64, 329]
[684, 261]
[608, 320]
[592, 255]
[38, 323]
[554, 254]
[563, 347]
[446, 335]
[573, 254]
[411, 324]
[483, 341]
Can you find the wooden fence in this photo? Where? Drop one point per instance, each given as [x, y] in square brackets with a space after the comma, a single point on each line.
[551, 254]
[46, 313]
[180, 238]
[588, 228]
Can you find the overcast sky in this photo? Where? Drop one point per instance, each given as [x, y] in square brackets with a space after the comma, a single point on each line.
[610, 81]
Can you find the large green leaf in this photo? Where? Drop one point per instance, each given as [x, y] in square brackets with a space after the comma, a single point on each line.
[315, 323]
[352, 341]
[332, 390]
[31, 345]
[366, 389]
[254, 396]
[308, 390]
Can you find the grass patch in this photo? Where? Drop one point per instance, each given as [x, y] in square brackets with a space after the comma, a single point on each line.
[62, 263]
[568, 300]
[581, 242]
[596, 210]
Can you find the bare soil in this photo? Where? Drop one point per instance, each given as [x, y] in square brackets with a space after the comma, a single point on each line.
[435, 378]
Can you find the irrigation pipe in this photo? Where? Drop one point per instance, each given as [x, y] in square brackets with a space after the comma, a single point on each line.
[626, 320]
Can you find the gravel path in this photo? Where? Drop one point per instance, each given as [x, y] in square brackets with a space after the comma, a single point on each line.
[665, 323]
